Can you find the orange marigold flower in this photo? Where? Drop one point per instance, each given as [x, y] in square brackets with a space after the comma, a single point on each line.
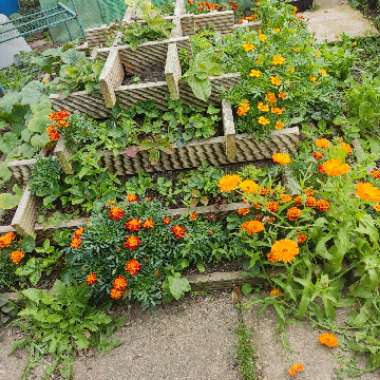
[252, 227]
[285, 198]
[346, 147]
[116, 294]
[281, 158]
[116, 213]
[322, 143]
[309, 191]
[120, 283]
[178, 231]
[301, 238]
[282, 95]
[283, 251]
[334, 168]
[78, 232]
[148, 224]
[295, 369]
[16, 256]
[368, 192]
[311, 202]
[263, 121]
[272, 206]
[229, 182]
[133, 225]
[262, 107]
[375, 173]
[277, 110]
[298, 200]
[132, 242]
[76, 243]
[193, 216]
[323, 205]
[271, 97]
[278, 60]
[294, 213]
[275, 80]
[318, 155]
[279, 125]
[264, 191]
[53, 134]
[91, 278]
[276, 292]
[248, 47]
[166, 220]
[132, 198]
[249, 187]
[59, 115]
[243, 108]
[243, 211]
[329, 340]
[132, 267]
[376, 207]
[7, 239]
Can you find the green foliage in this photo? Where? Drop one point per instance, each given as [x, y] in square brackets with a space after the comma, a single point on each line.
[178, 286]
[245, 353]
[9, 201]
[59, 323]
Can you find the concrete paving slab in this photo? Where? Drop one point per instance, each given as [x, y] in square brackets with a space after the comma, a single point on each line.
[331, 18]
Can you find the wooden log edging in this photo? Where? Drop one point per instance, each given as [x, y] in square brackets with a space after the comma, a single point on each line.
[21, 169]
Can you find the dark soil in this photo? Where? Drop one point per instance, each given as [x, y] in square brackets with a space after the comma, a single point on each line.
[6, 217]
[156, 74]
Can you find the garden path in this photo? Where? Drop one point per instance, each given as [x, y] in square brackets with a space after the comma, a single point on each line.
[331, 18]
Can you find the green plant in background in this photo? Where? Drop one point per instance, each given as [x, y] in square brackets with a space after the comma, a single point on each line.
[59, 323]
[246, 353]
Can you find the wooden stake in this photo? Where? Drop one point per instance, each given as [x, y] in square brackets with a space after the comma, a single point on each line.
[229, 130]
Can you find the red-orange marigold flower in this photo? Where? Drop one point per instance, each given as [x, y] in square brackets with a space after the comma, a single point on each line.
[116, 294]
[294, 213]
[298, 200]
[272, 206]
[323, 205]
[132, 198]
[166, 220]
[53, 134]
[375, 173]
[318, 155]
[329, 340]
[91, 278]
[301, 238]
[311, 202]
[132, 267]
[116, 213]
[243, 211]
[178, 231]
[193, 216]
[76, 243]
[252, 227]
[120, 283]
[133, 225]
[132, 242]
[7, 239]
[295, 369]
[285, 198]
[16, 256]
[148, 224]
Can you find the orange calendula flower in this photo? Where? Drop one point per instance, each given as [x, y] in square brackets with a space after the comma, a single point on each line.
[323, 205]
[275, 80]
[91, 279]
[255, 73]
[281, 158]
[249, 187]
[132, 198]
[252, 227]
[178, 231]
[263, 120]
[295, 369]
[301, 238]
[276, 292]
[272, 206]
[116, 294]
[346, 147]
[243, 108]
[318, 155]
[311, 202]
[283, 251]
[368, 192]
[53, 133]
[262, 107]
[279, 125]
[248, 47]
[375, 173]
[334, 168]
[277, 110]
[133, 225]
[120, 283]
[148, 224]
[132, 242]
[294, 213]
[262, 37]
[329, 340]
[229, 183]
[278, 60]
[7, 239]
[116, 213]
[282, 95]
[16, 257]
[132, 267]
[243, 211]
[322, 143]
[271, 97]
[166, 220]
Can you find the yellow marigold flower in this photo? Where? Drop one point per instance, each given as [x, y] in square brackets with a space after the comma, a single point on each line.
[281, 158]
[279, 125]
[275, 80]
[312, 78]
[329, 340]
[271, 97]
[248, 47]
[277, 110]
[276, 292]
[243, 108]
[278, 60]
[255, 73]
[283, 251]
[282, 95]
[252, 227]
[323, 72]
[334, 168]
[368, 192]
[262, 37]
[249, 187]
[263, 120]
[346, 147]
[295, 369]
[263, 107]
[322, 143]
[229, 183]
[377, 207]
[276, 30]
